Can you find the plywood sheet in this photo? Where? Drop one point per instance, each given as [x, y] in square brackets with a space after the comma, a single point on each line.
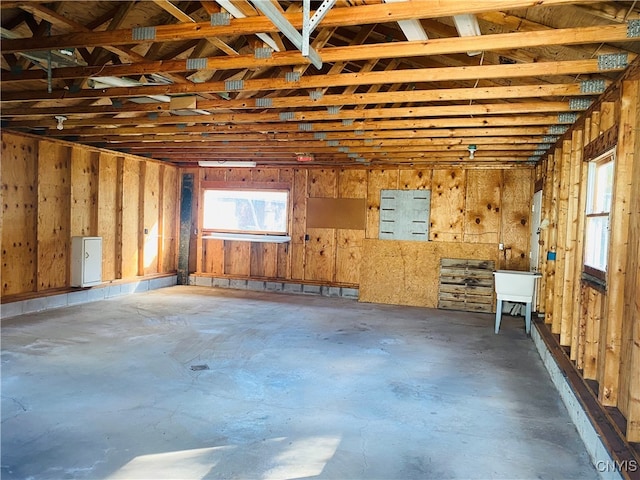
[415, 179]
[483, 204]
[264, 258]
[18, 171]
[171, 219]
[264, 175]
[237, 258]
[348, 255]
[516, 212]
[320, 254]
[286, 176]
[383, 179]
[130, 248]
[447, 205]
[84, 192]
[352, 183]
[150, 211]
[407, 273]
[347, 213]
[298, 222]
[213, 256]
[323, 182]
[107, 187]
[54, 221]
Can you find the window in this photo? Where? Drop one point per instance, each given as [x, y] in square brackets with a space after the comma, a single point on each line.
[599, 195]
[246, 211]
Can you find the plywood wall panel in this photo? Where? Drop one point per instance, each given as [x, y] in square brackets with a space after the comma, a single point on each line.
[265, 175]
[378, 180]
[54, 216]
[171, 218]
[299, 222]
[130, 248]
[415, 179]
[107, 190]
[352, 183]
[18, 172]
[213, 256]
[447, 205]
[150, 209]
[320, 255]
[237, 258]
[323, 183]
[264, 258]
[213, 174]
[407, 273]
[238, 175]
[285, 175]
[348, 255]
[84, 192]
[483, 204]
[516, 212]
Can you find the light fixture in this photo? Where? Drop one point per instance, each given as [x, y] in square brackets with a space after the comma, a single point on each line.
[472, 151]
[60, 119]
[467, 26]
[226, 163]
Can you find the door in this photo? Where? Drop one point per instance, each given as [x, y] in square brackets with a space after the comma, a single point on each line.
[92, 265]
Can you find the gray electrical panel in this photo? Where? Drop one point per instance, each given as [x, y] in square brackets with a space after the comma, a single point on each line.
[404, 215]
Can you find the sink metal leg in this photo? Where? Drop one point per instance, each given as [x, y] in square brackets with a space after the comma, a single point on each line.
[498, 315]
[527, 319]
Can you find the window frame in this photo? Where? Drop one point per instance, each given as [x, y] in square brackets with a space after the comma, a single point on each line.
[608, 157]
[248, 235]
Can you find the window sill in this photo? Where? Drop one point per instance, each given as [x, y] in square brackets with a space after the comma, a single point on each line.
[247, 237]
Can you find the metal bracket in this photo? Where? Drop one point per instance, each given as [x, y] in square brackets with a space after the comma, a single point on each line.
[633, 29]
[264, 102]
[580, 103]
[319, 136]
[196, 63]
[301, 42]
[333, 143]
[233, 85]
[143, 33]
[305, 127]
[613, 61]
[592, 86]
[286, 115]
[567, 117]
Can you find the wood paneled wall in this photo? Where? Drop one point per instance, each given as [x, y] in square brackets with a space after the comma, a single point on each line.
[54, 190]
[600, 324]
[471, 211]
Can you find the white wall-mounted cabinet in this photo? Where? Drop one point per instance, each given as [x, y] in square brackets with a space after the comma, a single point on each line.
[86, 261]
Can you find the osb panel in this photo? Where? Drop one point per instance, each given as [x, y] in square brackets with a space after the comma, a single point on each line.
[238, 175]
[378, 180]
[84, 192]
[18, 171]
[265, 175]
[348, 255]
[352, 183]
[298, 223]
[130, 217]
[107, 178]
[237, 258]
[264, 260]
[151, 211]
[447, 205]
[516, 211]
[213, 174]
[482, 214]
[407, 273]
[171, 219]
[54, 219]
[415, 179]
[320, 254]
[213, 256]
[323, 182]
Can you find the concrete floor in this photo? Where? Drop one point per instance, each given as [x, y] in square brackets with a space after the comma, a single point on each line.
[193, 382]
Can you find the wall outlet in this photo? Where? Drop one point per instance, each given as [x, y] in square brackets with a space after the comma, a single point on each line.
[501, 246]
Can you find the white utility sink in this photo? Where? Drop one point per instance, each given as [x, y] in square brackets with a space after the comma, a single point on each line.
[515, 286]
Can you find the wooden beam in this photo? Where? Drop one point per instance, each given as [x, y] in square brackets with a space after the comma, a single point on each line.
[366, 14]
[438, 95]
[339, 80]
[439, 46]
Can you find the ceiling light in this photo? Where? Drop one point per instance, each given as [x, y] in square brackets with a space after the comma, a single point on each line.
[60, 119]
[225, 163]
[467, 26]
